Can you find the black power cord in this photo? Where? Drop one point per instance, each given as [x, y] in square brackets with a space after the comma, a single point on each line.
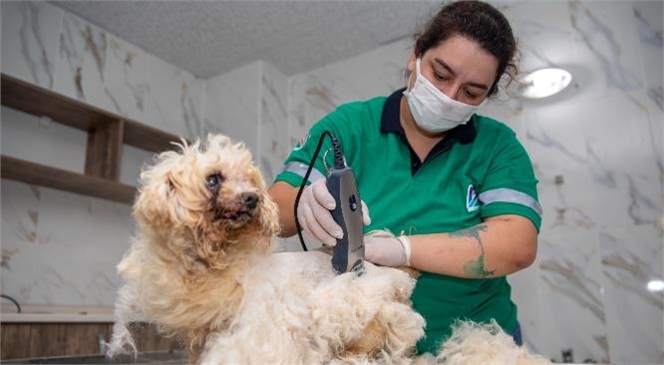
[18, 306]
[339, 163]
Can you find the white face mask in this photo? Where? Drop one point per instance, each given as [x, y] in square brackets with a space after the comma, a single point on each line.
[434, 111]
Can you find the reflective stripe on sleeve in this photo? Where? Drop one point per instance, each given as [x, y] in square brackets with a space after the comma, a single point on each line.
[300, 168]
[504, 195]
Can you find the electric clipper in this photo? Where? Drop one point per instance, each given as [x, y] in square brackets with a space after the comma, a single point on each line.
[348, 254]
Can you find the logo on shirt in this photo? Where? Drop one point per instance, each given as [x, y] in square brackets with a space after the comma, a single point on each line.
[301, 143]
[472, 202]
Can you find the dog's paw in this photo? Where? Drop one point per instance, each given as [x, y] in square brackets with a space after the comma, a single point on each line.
[122, 343]
[387, 282]
[125, 350]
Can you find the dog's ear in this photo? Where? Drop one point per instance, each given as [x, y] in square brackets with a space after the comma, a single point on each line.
[269, 216]
[152, 200]
[156, 202]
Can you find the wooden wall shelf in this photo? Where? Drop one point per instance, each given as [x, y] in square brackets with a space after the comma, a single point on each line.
[107, 132]
[32, 173]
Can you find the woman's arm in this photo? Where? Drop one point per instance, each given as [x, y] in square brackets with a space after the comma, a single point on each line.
[499, 246]
[283, 194]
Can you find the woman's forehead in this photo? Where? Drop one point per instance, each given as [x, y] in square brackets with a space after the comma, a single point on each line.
[464, 57]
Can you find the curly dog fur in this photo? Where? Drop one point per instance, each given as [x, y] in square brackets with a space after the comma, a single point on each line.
[202, 269]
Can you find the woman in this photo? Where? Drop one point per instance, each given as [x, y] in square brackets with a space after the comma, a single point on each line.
[456, 189]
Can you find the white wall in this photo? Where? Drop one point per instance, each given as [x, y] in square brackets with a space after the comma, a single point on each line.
[250, 104]
[59, 247]
[597, 150]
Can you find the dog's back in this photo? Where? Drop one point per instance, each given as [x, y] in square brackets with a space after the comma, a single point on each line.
[298, 311]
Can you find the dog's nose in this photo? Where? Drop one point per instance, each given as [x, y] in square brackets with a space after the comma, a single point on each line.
[250, 200]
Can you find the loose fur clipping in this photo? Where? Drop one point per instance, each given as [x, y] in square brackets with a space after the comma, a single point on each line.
[202, 269]
[474, 343]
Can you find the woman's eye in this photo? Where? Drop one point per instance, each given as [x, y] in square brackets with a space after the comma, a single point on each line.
[471, 95]
[439, 77]
[214, 180]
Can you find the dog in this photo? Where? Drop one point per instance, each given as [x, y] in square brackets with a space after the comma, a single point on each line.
[202, 268]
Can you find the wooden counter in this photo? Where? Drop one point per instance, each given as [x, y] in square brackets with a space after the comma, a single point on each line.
[41, 331]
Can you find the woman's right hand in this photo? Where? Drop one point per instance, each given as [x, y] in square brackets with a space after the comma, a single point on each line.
[314, 213]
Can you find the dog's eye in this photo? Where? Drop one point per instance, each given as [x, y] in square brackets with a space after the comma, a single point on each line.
[214, 180]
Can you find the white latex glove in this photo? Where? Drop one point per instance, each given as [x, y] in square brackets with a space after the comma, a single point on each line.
[387, 251]
[315, 217]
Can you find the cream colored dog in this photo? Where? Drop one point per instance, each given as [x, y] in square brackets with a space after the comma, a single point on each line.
[202, 269]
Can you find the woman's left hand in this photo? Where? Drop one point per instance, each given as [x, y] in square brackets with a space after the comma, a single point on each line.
[387, 251]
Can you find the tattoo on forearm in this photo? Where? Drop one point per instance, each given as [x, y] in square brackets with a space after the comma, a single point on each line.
[475, 268]
[473, 231]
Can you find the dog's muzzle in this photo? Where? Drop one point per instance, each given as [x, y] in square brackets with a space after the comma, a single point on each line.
[241, 210]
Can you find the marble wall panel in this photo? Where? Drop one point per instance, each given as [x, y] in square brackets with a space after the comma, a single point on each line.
[273, 134]
[588, 38]
[572, 310]
[41, 140]
[30, 32]
[58, 247]
[274, 121]
[149, 90]
[133, 161]
[105, 71]
[649, 24]
[649, 20]
[595, 169]
[316, 93]
[232, 105]
[20, 219]
[632, 259]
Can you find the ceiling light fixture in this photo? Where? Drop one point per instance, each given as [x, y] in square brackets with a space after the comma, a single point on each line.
[655, 285]
[543, 83]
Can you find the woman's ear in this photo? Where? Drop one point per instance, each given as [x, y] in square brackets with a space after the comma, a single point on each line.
[411, 62]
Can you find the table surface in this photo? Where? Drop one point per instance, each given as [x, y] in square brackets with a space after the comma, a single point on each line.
[157, 357]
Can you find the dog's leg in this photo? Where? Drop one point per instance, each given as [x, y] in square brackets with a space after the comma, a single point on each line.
[126, 312]
[401, 327]
[271, 327]
[390, 336]
[366, 314]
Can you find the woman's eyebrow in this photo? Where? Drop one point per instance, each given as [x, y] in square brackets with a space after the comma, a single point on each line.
[450, 70]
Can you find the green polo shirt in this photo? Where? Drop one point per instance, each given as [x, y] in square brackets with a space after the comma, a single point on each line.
[478, 171]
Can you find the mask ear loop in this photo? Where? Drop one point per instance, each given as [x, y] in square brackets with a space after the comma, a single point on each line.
[408, 89]
[417, 74]
[416, 71]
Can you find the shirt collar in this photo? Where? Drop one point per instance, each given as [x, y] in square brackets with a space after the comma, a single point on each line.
[390, 121]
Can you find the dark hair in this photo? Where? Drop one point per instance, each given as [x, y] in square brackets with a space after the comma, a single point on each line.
[479, 22]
